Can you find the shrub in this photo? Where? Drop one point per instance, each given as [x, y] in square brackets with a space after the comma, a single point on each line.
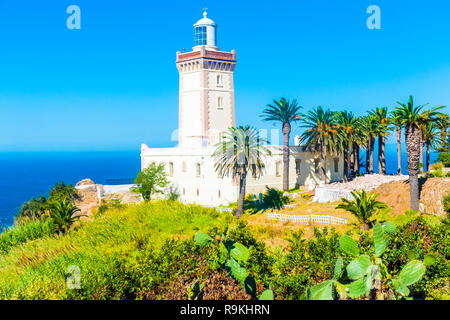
[63, 215]
[363, 207]
[61, 191]
[25, 232]
[271, 199]
[444, 157]
[150, 181]
[34, 209]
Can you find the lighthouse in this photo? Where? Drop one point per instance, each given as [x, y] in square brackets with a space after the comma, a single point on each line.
[206, 88]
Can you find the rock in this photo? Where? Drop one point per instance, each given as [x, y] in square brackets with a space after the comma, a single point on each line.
[84, 182]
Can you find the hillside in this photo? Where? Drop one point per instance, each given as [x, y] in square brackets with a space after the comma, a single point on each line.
[147, 251]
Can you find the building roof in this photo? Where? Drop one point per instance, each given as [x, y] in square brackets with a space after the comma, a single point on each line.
[205, 21]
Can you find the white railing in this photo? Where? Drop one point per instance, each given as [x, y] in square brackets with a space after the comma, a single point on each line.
[306, 219]
[223, 209]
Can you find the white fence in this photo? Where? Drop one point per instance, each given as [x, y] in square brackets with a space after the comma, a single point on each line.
[223, 209]
[306, 219]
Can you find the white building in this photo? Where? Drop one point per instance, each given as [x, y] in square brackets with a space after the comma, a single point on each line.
[206, 109]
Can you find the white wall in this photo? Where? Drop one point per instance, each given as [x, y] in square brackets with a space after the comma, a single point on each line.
[209, 183]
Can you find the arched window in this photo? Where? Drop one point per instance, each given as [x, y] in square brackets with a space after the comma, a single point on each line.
[278, 168]
[298, 163]
[316, 166]
[219, 80]
[170, 169]
[198, 170]
[336, 164]
[183, 166]
[220, 103]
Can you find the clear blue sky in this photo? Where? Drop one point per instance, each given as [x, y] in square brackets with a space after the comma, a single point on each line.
[113, 84]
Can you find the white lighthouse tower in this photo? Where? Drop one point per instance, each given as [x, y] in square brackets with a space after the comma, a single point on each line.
[206, 96]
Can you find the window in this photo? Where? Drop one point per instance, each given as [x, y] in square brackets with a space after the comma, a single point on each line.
[316, 166]
[170, 169]
[198, 192]
[336, 164]
[219, 80]
[198, 169]
[219, 194]
[277, 168]
[219, 102]
[298, 162]
[183, 167]
[184, 191]
[200, 36]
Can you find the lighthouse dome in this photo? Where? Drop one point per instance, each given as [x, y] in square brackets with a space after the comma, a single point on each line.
[205, 21]
[205, 33]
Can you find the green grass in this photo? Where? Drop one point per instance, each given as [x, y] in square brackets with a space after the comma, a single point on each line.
[37, 268]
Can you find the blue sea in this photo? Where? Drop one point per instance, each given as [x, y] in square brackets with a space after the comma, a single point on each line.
[24, 175]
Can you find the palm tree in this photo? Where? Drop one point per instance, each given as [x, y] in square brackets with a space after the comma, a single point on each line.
[321, 134]
[398, 129]
[63, 214]
[359, 141]
[347, 125]
[412, 119]
[443, 122]
[432, 138]
[285, 112]
[362, 207]
[383, 122]
[370, 129]
[240, 151]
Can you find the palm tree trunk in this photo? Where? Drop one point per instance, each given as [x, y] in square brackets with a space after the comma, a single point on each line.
[372, 147]
[427, 143]
[323, 154]
[399, 150]
[346, 164]
[352, 162]
[413, 140]
[349, 160]
[286, 133]
[356, 159]
[443, 139]
[421, 153]
[381, 155]
[242, 184]
[368, 156]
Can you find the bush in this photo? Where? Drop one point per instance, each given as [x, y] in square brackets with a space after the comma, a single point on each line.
[25, 232]
[61, 191]
[32, 210]
[271, 199]
[444, 157]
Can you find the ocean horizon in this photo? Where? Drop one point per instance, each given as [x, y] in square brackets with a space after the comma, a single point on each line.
[26, 175]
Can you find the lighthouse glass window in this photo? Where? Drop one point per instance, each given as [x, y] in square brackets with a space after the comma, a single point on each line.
[200, 36]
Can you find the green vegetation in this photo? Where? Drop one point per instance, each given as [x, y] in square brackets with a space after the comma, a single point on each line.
[272, 199]
[39, 208]
[240, 152]
[167, 250]
[444, 157]
[363, 207]
[63, 213]
[285, 112]
[365, 274]
[151, 181]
